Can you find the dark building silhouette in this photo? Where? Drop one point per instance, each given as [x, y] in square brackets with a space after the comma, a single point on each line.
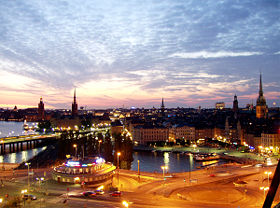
[235, 104]
[41, 110]
[162, 107]
[261, 107]
[74, 105]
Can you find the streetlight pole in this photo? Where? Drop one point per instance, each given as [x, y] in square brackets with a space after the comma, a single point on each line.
[99, 141]
[268, 173]
[118, 160]
[163, 168]
[27, 176]
[138, 170]
[264, 190]
[75, 147]
[3, 149]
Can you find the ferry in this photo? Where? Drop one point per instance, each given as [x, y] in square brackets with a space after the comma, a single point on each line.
[206, 157]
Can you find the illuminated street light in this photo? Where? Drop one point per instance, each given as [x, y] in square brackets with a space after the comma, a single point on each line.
[75, 146]
[264, 190]
[163, 168]
[125, 203]
[99, 142]
[267, 173]
[27, 164]
[118, 160]
[24, 191]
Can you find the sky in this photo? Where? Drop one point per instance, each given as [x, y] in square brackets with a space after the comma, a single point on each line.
[134, 53]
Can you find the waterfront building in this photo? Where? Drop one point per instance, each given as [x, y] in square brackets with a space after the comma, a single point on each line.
[41, 110]
[220, 105]
[181, 131]
[148, 133]
[74, 106]
[270, 141]
[90, 171]
[261, 107]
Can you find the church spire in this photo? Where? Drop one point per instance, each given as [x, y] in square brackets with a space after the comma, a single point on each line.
[162, 103]
[74, 105]
[260, 87]
[75, 95]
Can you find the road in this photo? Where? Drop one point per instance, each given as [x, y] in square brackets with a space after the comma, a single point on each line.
[151, 190]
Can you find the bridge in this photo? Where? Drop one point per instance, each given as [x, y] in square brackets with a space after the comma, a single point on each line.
[24, 142]
[20, 143]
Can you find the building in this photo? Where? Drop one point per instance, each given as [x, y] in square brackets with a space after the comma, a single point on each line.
[182, 132]
[270, 141]
[91, 172]
[74, 106]
[41, 110]
[146, 134]
[261, 107]
[220, 105]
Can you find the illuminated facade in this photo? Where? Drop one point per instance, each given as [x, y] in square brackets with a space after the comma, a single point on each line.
[143, 134]
[182, 132]
[91, 172]
[220, 105]
[270, 141]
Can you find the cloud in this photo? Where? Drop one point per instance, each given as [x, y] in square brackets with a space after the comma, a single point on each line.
[151, 49]
[219, 54]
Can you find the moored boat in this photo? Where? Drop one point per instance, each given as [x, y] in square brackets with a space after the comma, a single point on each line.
[206, 157]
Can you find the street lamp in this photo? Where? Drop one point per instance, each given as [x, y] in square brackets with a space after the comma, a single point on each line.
[163, 168]
[267, 173]
[125, 203]
[99, 142]
[27, 164]
[118, 160]
[75, 147]
[2, 141]
[264, 190]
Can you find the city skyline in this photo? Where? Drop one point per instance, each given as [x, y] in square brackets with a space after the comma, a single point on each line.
[136, 53]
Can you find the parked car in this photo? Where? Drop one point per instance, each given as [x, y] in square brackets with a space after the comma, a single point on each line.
[29, 196]
[99, 192]
[89, 193]
[116, 193]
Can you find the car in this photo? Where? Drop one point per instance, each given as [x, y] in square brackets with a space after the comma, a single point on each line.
[99, 192]
[29, 196]
[116, 193]
[89, 193]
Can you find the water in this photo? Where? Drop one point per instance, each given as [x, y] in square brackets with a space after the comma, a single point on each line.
[149, 161]
[11, 128]
[22, 156]
[152, 162]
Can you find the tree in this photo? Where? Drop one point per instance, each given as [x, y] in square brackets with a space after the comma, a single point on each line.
[124, 145]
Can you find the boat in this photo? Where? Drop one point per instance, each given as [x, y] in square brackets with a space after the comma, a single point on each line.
[206, 157]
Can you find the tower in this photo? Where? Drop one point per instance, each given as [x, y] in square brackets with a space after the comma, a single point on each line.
[261, 107]
[162, 107]
[235, 106]
[74, 105]
[41, 110]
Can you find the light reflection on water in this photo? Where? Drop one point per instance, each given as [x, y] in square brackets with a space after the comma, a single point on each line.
[21, 156]
[152, 162]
